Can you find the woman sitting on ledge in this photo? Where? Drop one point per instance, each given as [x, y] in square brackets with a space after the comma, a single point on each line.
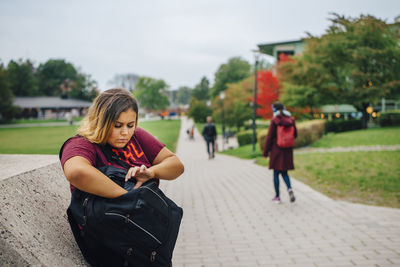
[112, 121]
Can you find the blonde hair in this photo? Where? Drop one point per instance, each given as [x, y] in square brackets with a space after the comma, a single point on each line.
[104, 111]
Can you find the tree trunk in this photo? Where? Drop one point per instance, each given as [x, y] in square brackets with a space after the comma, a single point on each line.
[365, 115]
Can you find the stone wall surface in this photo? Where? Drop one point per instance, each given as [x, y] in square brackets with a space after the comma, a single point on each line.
[34, 230]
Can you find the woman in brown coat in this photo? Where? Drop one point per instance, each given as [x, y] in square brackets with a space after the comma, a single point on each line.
[280, 159]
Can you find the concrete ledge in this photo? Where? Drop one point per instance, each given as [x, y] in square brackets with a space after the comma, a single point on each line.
[34, 229]
[13, 164]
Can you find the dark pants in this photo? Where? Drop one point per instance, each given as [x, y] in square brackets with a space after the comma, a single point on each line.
[210, 141]
[276, 180]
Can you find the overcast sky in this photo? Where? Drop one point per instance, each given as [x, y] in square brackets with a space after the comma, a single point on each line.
[176, 40]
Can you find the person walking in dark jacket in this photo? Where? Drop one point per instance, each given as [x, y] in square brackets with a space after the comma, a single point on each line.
[210, 135]
[280, 159]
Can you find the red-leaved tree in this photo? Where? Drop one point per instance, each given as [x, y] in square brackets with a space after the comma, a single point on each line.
[268, 93]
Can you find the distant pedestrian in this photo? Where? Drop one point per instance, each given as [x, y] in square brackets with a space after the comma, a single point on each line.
[190, 133]
[210, 135]
[281, 156]
[68, 116]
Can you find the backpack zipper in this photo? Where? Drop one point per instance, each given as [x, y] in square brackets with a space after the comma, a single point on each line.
[153, 256]
[132, 222]
[151, 190]
[85, 202]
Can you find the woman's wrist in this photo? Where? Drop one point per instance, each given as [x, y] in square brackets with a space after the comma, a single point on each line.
[152, 172]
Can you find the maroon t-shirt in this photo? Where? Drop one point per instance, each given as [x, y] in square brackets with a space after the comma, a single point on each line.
[142, 149]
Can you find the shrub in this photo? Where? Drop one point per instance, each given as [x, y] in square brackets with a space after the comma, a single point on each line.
[304, 136]
[342, 125]
[317, 129]
[261, 138]
[9, 113]
[389, 118]
[307, 133]
[244, 137]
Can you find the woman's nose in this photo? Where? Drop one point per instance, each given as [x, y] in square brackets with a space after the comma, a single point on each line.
[124, 131]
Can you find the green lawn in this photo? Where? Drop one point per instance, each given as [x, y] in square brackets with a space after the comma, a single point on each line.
[244, 152]
[34, 140]
[363, 177]
[369, 137]
[167, 131]
[48, 140]
[25, 121]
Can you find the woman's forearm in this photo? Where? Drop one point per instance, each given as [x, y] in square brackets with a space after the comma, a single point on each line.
[170, 168]
[85, 177]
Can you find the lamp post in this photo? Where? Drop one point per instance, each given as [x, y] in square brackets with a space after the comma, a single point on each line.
[256, 55]
[369, 111]
[222, 96]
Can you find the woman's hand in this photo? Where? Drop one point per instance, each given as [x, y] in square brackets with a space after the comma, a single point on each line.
[141, 174]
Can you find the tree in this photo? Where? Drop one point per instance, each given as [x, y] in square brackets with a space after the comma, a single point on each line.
[202, 90]
[126, 81]
[236, 69]
[7, 110]
[183, 95]
[268, 92]
[151, 93]
[302, 96]
[237, 114]
[357, 62]
[236, 103]
[199, 110]
[86, 88]
[54, 74]
[57, 77]
[22, 79]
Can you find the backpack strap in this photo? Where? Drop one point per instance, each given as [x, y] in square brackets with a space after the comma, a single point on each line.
[111, 157]
[107, 151]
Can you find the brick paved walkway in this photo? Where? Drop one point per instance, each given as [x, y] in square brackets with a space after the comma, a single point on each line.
[229, 219]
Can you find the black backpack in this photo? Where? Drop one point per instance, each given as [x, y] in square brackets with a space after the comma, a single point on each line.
[139, 228]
